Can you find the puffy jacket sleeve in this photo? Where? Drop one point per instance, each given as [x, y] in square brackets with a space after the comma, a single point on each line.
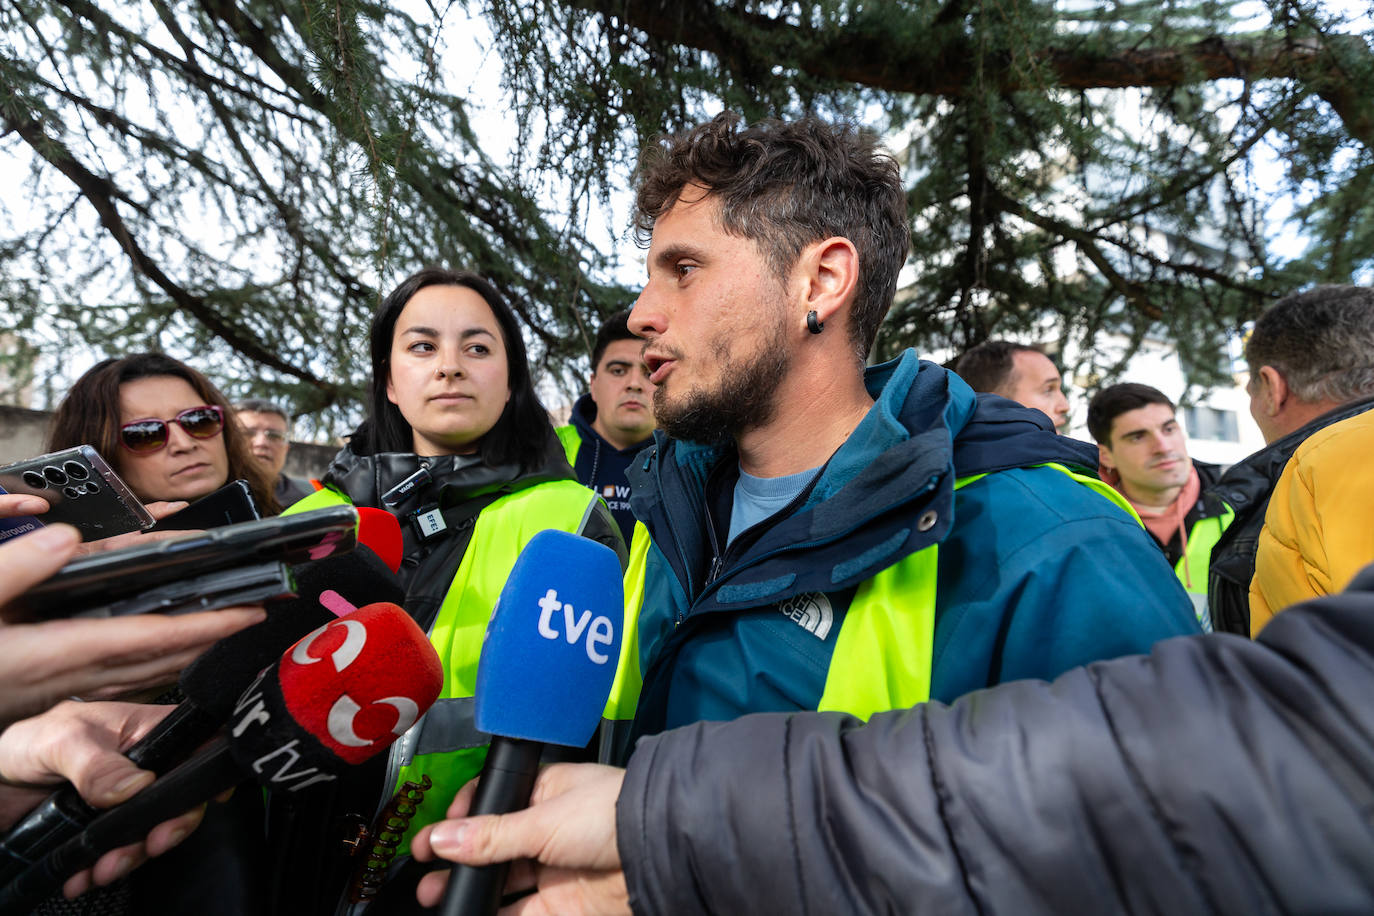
[1214, 775]
[1316, 533]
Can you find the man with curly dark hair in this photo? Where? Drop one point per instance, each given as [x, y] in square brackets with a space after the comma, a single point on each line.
[827, 536]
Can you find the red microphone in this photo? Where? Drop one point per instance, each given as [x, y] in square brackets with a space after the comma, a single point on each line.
[351, 724]
[379, 530]
[341, 694]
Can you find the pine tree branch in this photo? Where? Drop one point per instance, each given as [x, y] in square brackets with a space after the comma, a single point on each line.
[1132, 292]
[877, 58]
[101, 194]
[1090, 244]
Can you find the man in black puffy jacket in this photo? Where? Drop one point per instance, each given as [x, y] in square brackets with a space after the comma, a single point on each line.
[1214, 775]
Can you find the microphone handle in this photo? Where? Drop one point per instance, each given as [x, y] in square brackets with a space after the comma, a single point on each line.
[505, 786]
[182, 789]
[63, 814]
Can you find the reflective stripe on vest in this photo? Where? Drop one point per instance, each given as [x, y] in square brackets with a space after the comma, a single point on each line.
[884, 652]
[442, 749]
[628, 680]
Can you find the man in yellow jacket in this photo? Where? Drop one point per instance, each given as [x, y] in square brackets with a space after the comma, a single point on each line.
[1311, 358]
[1317, 532]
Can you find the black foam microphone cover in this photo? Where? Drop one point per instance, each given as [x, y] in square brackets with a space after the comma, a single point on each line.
[336, 698]
[325, 590]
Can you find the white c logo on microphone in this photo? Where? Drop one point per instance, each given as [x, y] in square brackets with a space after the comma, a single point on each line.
[345, 711]
[352, 647]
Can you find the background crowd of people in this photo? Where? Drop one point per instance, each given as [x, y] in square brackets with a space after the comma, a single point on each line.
[890, 641]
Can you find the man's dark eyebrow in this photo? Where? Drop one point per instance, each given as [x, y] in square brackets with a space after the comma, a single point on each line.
[671, 254]
[618, 362]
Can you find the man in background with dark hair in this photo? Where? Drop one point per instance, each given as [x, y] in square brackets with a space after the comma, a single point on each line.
[268, 429]
[1142, 452]
[1019, 373]
[1311, 358]
[614, 420]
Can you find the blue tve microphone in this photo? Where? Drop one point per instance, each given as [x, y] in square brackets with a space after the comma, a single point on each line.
[545, 672]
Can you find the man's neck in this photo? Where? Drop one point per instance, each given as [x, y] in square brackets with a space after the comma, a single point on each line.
[811, 421]
[1151, 498]
[1297, 414]
[618, 439]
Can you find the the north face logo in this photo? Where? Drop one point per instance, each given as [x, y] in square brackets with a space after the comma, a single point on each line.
[811, 612]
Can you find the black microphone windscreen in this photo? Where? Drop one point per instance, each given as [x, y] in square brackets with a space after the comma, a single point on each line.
[325, 590]
[338, 696]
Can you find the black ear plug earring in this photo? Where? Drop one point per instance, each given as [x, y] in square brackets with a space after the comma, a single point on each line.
[813, 323]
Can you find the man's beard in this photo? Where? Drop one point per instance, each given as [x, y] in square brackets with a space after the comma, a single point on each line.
[743, 399]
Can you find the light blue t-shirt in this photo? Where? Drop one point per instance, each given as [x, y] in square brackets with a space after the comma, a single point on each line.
[757, 498]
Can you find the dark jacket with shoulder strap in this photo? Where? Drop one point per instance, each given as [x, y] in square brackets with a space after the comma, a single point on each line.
[1215, 775]
[1246, 488]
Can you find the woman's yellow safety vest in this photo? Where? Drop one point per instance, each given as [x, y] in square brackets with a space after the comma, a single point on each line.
[445, 744]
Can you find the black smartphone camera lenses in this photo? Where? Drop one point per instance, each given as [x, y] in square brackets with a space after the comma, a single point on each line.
[72, 479]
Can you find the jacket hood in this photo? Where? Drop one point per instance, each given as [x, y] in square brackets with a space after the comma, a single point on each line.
[584, 414]
[887, 492]
[457, 478]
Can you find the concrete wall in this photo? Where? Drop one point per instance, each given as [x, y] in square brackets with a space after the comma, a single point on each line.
[22, 432]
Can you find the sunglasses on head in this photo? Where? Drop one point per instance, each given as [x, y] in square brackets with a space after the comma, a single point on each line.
[143, 437]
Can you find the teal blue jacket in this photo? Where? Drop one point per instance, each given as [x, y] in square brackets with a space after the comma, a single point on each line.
[1037, 573]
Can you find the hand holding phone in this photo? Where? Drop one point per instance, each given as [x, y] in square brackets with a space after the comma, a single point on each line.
[106, 579]
[229, 505]
[47, 661]
[80, 490]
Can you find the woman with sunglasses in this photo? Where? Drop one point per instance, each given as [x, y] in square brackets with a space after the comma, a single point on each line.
[453, 415]
[161, 425]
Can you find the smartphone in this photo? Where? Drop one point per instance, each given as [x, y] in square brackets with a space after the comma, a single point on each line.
[229, 505]
[208, 592]
[114, 575]
[81, 490]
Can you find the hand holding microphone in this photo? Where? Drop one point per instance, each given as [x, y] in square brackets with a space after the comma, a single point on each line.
[326, 589]
[82, 742]
[543, 678]
[340, 695]
[567, 834]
